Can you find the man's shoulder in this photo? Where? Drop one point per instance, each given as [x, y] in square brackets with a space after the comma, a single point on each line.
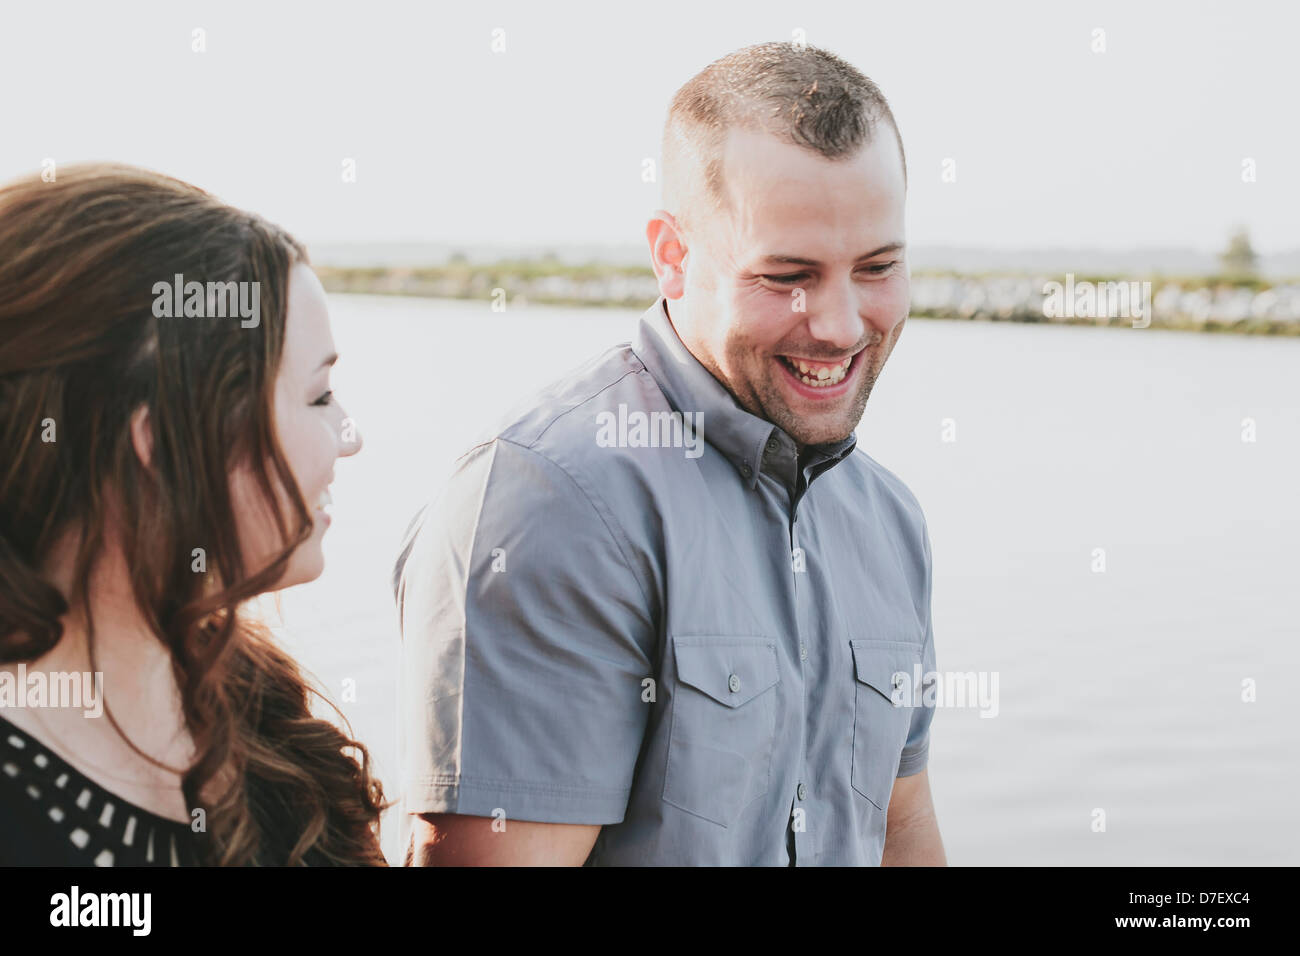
[885, 505]
[882, 485]
[560, 421]
[546, 416]
[538, 458]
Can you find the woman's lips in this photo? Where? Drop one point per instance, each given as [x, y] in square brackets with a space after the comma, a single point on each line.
[323, 501]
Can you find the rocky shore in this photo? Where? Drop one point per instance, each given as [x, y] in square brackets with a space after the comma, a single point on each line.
[1249, 306]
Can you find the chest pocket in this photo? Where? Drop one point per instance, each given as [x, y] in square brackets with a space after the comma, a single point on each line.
[723, 725]
[880, 728]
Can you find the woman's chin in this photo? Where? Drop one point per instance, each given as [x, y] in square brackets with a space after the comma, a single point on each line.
[307, 564]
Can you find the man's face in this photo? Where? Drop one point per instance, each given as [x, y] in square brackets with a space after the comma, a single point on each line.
[805, 271]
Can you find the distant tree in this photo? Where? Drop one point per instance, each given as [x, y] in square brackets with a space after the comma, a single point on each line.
[458, 258]
[1239, 259]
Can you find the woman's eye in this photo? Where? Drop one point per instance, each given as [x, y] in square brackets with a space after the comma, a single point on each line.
[325, 399]
[791, 279]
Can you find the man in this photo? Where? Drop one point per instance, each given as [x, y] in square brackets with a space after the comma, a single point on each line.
[660, 617]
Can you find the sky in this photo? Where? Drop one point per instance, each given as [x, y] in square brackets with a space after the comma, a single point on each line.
[1053, 141]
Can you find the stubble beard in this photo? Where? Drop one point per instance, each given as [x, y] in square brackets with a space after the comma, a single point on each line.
[775, 409]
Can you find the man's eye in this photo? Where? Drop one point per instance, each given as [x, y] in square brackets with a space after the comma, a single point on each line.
[792, 279]
[325, 399]
[880, 268]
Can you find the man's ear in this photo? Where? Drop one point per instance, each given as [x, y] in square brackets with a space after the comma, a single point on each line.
[667, 253]
[142, 435]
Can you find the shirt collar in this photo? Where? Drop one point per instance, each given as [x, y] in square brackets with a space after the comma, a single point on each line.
[750, 443]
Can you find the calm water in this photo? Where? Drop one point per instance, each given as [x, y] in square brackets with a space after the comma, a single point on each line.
[1119, 690]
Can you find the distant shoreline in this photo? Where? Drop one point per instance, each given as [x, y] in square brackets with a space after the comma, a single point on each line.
[1243, 305]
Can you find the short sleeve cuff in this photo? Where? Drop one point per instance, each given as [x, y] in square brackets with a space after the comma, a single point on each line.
[538, 803]
[914, 760]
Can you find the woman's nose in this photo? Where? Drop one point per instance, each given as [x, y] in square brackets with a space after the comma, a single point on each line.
[350, 440]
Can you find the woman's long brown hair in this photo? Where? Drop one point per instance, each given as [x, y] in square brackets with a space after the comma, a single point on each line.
[81, 350]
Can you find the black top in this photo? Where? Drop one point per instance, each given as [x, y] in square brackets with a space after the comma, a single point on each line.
[53, 815]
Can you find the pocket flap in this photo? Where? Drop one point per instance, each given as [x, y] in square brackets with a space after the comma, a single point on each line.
[876, 662]
[731, 670]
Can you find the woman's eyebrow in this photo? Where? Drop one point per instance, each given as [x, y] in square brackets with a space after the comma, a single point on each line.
[329, 360]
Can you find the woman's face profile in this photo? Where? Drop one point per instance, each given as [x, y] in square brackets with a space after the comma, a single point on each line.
[314, 432]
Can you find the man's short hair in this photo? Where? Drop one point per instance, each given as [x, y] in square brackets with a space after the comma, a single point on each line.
[803, 95]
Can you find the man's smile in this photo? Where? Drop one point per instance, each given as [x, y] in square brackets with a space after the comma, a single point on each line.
[818, 378]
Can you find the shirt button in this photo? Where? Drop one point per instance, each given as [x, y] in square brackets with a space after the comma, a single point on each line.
[772, 444]
[803, 791]
[746, 470]
[803, 652]
[734, 683]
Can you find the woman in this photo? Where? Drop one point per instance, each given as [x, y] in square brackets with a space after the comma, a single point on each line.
[166, 456]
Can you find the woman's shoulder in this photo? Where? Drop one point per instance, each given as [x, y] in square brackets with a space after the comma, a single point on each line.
[52, 814]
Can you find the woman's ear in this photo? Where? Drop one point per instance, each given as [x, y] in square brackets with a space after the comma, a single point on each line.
[142, 435]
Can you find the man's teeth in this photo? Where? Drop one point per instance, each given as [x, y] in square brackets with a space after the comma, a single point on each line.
[819, 375]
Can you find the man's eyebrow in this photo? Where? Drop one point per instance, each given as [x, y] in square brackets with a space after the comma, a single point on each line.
[801, 261]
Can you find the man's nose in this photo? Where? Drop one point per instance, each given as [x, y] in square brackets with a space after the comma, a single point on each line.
[837, 319]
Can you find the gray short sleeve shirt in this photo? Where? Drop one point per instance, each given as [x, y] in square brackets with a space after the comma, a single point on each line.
[633, 606]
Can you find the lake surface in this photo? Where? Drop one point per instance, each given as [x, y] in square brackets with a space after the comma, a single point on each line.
[1118, 690]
